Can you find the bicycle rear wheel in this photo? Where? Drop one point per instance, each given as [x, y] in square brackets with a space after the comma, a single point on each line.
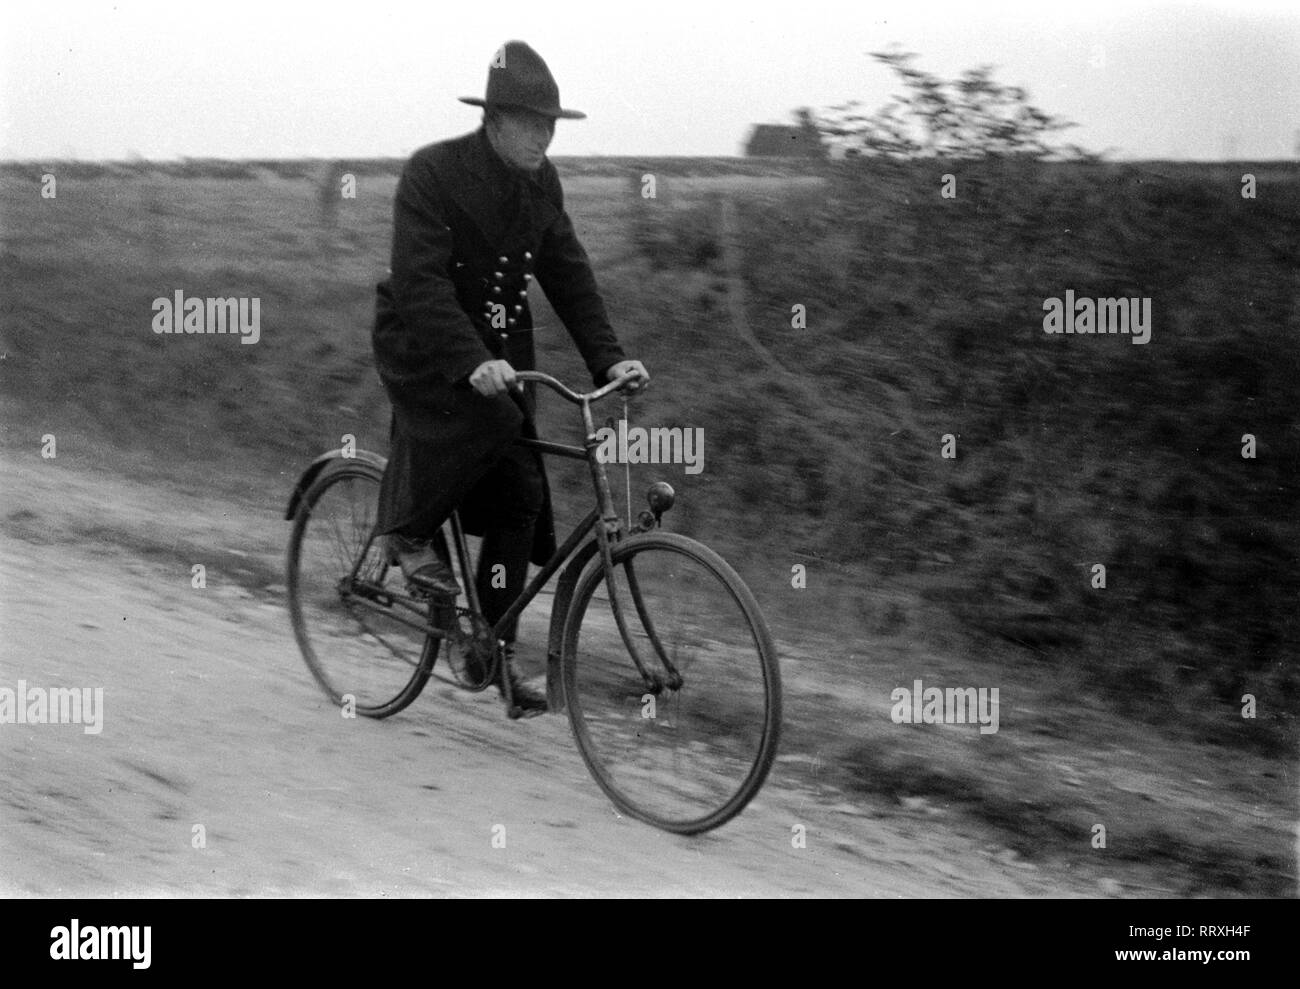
[691, 757]
[345, 599]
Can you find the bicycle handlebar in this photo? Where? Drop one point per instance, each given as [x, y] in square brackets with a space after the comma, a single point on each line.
[567, 393]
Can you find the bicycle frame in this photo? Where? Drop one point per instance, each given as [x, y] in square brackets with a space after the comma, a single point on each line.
[691, 615]
[603, 520]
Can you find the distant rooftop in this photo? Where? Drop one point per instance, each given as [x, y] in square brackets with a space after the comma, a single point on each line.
[785, 141]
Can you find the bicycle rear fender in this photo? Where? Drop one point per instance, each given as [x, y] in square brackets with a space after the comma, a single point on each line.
[318, 466]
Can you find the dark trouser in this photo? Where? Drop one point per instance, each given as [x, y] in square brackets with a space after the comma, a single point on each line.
[509, 497]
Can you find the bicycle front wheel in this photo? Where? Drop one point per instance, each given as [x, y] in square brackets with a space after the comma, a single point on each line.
[363, 641]
[690, 756]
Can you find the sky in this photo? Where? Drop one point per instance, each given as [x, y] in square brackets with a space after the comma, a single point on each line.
[1199, 81]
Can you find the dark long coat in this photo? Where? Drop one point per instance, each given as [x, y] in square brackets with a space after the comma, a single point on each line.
[469, 234]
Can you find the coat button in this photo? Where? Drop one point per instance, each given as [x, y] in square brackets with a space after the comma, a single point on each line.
[519, 309]
[527, 277]
[528, 255]
[503, 259]
[523, 293]
[496, 289]
[511, 322]
[498, 275]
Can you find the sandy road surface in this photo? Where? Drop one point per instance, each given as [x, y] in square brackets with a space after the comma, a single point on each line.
[211, 720]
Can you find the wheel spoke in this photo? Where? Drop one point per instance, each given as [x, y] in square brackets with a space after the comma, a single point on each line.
[690, 757]
[353, 648]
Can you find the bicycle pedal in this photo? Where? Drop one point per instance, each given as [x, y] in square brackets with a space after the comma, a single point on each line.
[423, 592]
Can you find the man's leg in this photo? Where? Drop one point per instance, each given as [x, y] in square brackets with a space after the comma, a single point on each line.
[503, 573]
[425, 561]
[414, 544]
[513, 494]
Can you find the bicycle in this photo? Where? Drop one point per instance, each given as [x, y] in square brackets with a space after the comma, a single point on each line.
[675, 703]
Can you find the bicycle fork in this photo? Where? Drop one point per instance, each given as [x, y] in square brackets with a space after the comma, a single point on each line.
[610, 530]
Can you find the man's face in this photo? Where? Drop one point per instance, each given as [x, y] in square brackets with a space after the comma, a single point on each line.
[521, 137]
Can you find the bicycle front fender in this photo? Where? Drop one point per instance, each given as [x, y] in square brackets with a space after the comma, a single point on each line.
[559, 613]
[318, 467]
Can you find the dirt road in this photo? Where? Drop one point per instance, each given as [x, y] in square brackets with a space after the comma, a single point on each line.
[221, 769]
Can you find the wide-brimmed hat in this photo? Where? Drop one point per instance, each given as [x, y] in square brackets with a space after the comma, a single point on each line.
[518, 77]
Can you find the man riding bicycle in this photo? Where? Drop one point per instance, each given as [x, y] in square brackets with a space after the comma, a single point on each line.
[475, 220]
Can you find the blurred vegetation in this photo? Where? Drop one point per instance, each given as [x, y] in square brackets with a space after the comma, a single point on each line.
[924, 317]
[972, 116]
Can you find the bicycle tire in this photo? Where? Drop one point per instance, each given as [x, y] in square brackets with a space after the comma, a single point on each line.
[355, 653]
[703, 751]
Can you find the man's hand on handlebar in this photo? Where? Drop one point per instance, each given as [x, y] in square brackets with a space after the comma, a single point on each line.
[495, 377]
[492, 378]
[638, 383]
